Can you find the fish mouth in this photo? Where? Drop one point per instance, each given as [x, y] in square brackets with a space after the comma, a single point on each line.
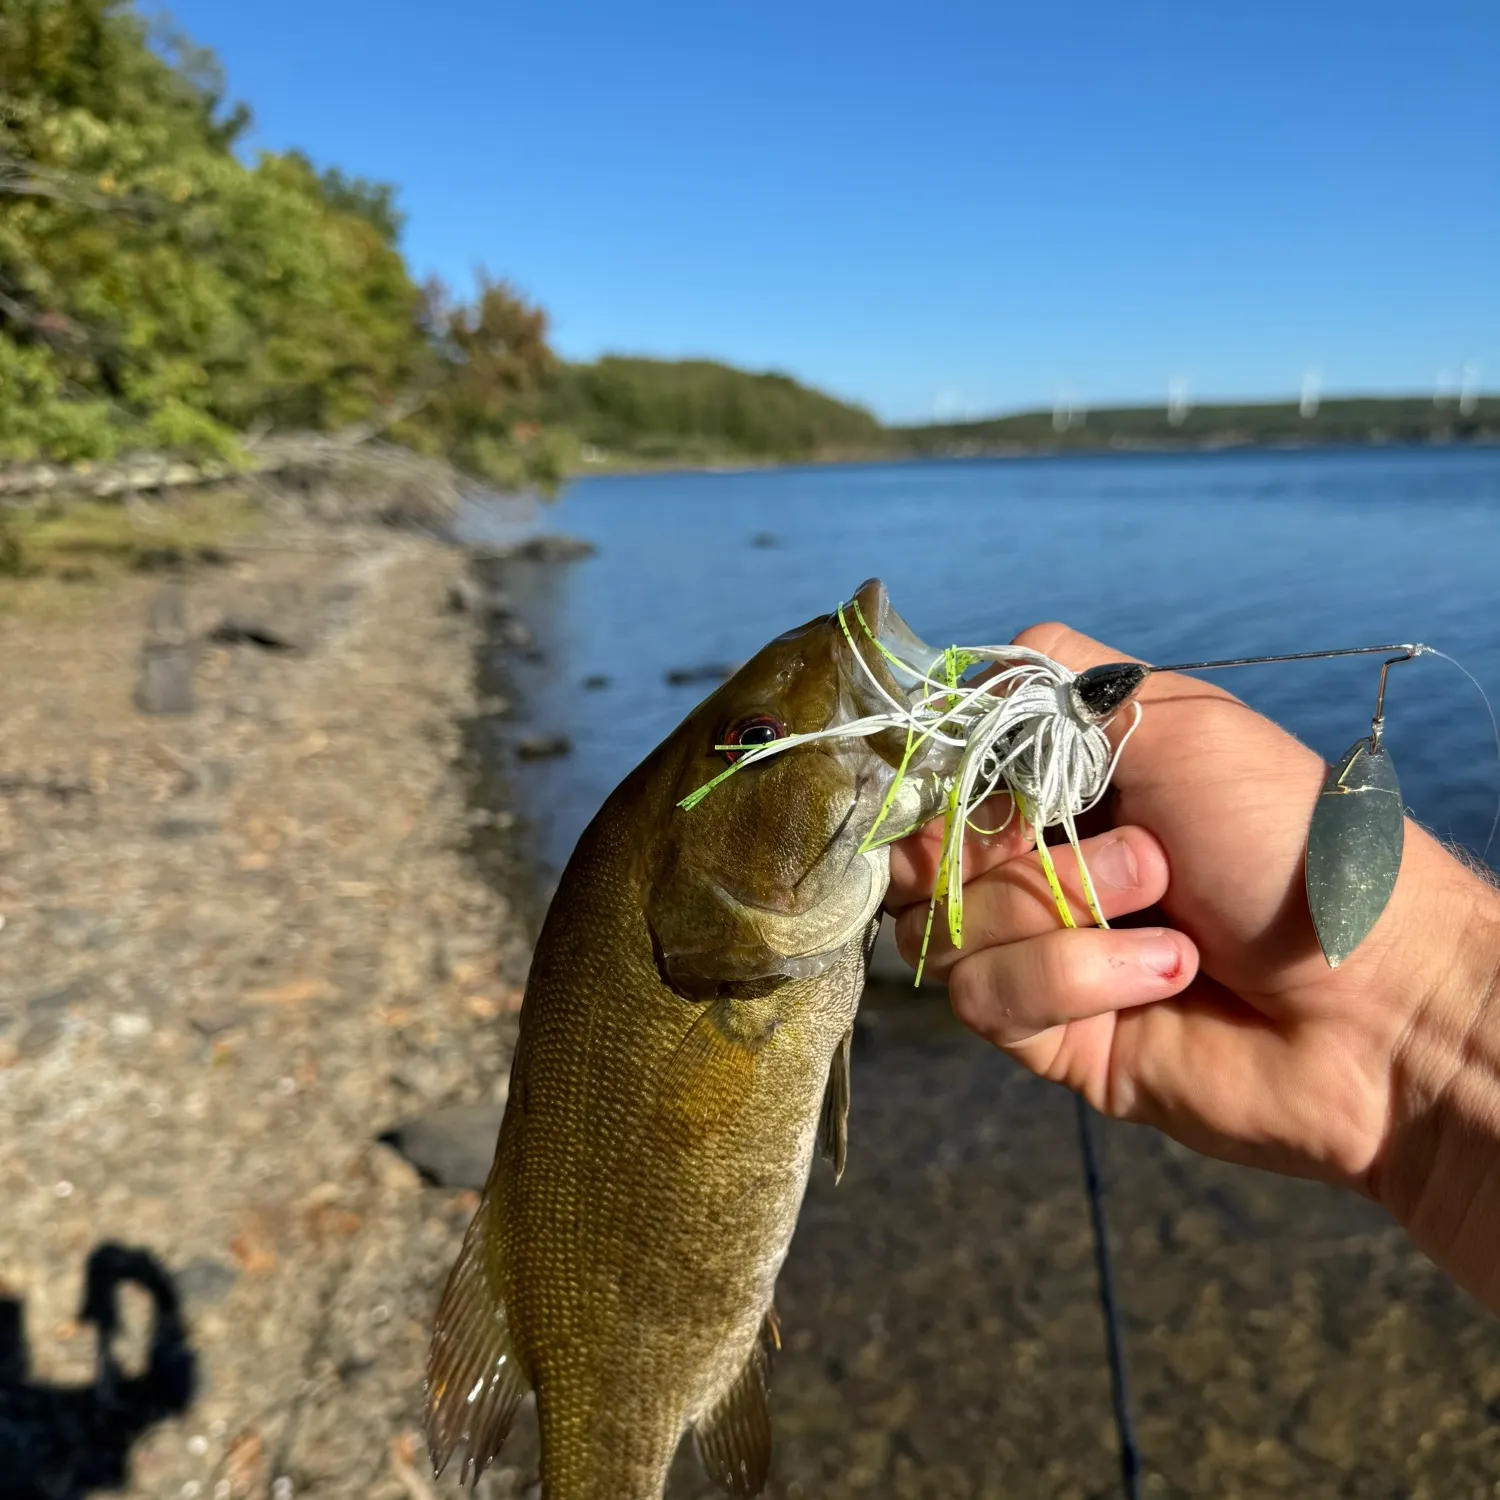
[897, 653]
[896, 668]
[898, 782]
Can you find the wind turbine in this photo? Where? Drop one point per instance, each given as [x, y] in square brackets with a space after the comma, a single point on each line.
[1312, 385]
[1066, 412]
[1178, 405]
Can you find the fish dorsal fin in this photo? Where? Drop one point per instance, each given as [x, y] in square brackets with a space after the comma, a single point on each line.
[833, 1125]
[734, 1439]
[474, 1380]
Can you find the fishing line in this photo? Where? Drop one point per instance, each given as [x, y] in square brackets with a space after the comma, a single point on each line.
[1119, 1385]
[1489, 708]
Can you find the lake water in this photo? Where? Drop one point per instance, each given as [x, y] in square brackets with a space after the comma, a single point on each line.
[1170, 558]
[943, 1337]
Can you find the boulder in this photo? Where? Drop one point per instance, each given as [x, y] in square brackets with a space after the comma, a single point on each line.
[451, 1147]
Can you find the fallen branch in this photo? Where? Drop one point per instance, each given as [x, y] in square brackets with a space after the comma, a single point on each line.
[349, 476]
[141, 472]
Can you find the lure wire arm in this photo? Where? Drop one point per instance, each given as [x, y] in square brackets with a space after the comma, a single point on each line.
[1377, 724]
[1099, 691]
[1408, 650]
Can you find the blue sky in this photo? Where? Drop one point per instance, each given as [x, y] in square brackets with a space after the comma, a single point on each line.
[946, 208]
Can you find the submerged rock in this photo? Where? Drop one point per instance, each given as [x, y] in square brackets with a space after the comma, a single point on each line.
[205, 1280]
[543, 746]
[549, 547]
[514, 634]
[467, 596]
[167, 660]
[165, 685]
[692, 676]
[555, 548]
[184, 827]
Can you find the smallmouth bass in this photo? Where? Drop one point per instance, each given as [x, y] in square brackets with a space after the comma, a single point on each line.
[684, 1047]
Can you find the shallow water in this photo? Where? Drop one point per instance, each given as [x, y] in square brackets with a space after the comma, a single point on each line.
[943, 1337]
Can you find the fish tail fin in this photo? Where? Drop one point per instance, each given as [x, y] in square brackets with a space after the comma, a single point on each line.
[734, 1438]
[475, 1381]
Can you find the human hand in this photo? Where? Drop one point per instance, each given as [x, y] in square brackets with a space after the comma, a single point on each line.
[1223, 1025]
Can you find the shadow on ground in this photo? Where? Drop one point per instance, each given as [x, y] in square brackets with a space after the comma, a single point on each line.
[65, 1442]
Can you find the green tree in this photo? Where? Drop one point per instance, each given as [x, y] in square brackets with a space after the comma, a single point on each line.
[155, 290]
[698, 409]
[491, 364]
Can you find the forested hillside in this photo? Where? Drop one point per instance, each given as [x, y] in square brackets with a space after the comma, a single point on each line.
[1357, 419]
[653, 409]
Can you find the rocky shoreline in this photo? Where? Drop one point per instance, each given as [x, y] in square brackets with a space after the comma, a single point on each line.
[260, 969]
[240, 945]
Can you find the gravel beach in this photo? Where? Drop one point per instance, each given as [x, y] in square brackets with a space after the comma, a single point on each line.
[238, 946]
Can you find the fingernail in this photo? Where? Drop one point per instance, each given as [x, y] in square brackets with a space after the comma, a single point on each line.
[1159, 954]
[1115, 865]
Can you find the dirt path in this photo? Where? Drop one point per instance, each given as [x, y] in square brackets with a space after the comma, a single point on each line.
[237, 945]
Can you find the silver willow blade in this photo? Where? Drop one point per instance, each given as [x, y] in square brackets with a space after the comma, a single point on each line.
[1355, 839]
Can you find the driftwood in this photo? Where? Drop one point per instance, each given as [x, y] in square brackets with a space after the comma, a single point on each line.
[20, 483]
[348, 476]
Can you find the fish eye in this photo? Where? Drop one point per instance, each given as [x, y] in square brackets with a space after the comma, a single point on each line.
[759, 729]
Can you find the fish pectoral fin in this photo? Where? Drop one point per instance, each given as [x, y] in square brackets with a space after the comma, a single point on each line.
[833, 1124]
[734, 1438]
[712, 1072]
[475, 1381]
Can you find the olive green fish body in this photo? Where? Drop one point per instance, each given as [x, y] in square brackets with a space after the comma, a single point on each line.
[684, 1046]
[668, 1215]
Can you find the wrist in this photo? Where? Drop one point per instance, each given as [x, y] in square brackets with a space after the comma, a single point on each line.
[1438, 1170]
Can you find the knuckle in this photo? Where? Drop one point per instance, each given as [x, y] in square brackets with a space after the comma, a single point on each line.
[1061, 969]
[970, 996]
[1033, 897]
[1007, 904]
[984, 925]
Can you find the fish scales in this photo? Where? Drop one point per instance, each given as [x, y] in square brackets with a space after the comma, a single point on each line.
[693, 1273]
[690, 999]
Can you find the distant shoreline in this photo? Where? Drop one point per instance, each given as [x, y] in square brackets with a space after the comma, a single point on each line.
[627, 466]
